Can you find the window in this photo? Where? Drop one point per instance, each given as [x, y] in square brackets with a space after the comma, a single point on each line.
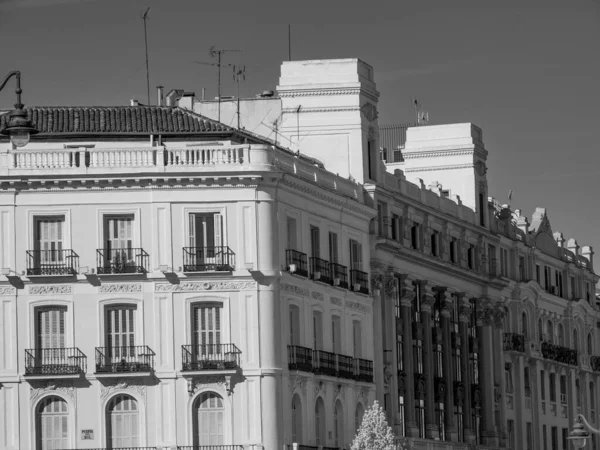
[358, 416]
[122, 422]
[435, 243]
[415, 236]
[547, 278]
[296, 419]
[320, 421]
[420, 416]
[453, 250]
[552, 387]
[120, 328]
[206, 231]
[471, 257]
[550, 332]
[292, 234]
[558, 281]
[396, 227]
[418, 355]
[529, 436]
[206, 326]
[333, 247]
[510, 430]
[481, 209]
[492, 260]
[317, 330]
[208, 419]
[355, 255]
[554, 437]
[336, 334]
[315, 242]
[118, 243]
[48, 242]
[338, 425]
[508, 378]
[440, 414]
[545, 436]
[460, 422]
[592, 401]
[446, 193]
[504, 262]
[52, 424]
[565, 435]
[294, 325]
[527, 384]
[537, 274]
[522, 268]
[50, 327]
[380, 214]
[357, 338]
[563, 389]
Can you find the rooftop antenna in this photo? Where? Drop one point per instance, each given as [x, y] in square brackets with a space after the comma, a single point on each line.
[422, 116]
[289, 42]
[298, 127]
[510, 194]
[216, 53]
[239, 72]
[144, 17]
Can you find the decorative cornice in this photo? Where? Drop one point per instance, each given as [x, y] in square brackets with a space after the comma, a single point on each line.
[218, 382]
[292, 93]
[317, 295]
[437, 168]
[207, 286]
[298, 383]
[336, 301]
[8, 290]
[443, 152]
[357, 306]
[293, 289]
[122, 385]
[52, 386]
[50, 289]
[120, 287]
[322, 109]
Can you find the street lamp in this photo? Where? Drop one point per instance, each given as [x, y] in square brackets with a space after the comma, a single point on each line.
[581, 432]
[17, 126]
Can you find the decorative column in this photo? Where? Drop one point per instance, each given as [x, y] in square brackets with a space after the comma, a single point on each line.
[489, 435]
[499, 385]
[407, 296]
[379, 343]
[427, 300]
[390, 292]
[447, 305]
[464, 318]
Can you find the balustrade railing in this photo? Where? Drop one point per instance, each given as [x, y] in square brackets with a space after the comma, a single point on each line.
[339, 275]
[559, 354]
[296, 262]
[595, 363]
[320, 270]
[324, 363]
[345, 367]
[206, 156]
[55, 361]
[115, 448]
[122, 260]
[204, 259]
[359, 281]
[327, 363]
[364, 370]
[52, 262]
[514, 342]
[209, 357]
[124, 359]
[300, 358]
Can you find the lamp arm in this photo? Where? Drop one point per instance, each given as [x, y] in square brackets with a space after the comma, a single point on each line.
[587, 426]
[17, 74]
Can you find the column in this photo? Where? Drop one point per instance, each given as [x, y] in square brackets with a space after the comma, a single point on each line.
[449, 424]
[390, 291]
[406, 299]
[500, 395]
[380, 364]
[427, 300]
[489, 435]
[464, 317]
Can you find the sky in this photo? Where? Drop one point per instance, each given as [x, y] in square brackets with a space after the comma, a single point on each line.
[527, 72]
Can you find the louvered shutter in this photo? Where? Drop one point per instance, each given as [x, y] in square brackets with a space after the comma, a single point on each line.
[51, 328]
[218, 230]
[49, 239]
[124, 422]
[120, 329]
[192, 230]
[210, 420]
[52, 424]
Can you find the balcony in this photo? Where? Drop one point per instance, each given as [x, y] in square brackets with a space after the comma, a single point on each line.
[324, 363]
[300, 358]
[595, 363]
[559, 354]
[340, 275]
[514, 342]
[127, 448]
[345, 367]
[200, 357]
[55, 362]
[52, 262]
[122, 261]
[208, 259]
[320, 270]
[363, 370]
[296, 262]
[359, 281]
[210, 447]
[138, 359]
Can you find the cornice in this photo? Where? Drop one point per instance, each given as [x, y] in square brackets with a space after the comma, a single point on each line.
[321, 109]
[443, 150]
[285, 92]
[438, 168]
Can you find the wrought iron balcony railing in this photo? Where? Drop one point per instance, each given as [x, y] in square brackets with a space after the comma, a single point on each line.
[55, 361]
[126, 359]
[296, 262]
[359, 281]
[363, 370]
[209, 357]
[122, 260]
[595, 363]
[52, 262]
[116, 448]
[340, 275]
[320, 270]
[324, 363]
[210, 447]
[514, 342]
[345, 367]
[559, 354]
[300, 358]
[205, 259]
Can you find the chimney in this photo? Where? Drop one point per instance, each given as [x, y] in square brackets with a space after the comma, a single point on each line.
[588, 252]
[173, 97]
[160, 95]
[134, 102]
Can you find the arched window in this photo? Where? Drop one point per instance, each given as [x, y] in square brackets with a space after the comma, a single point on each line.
[524, 327]
[338, 424]
[208, 414]
[320, 425]
[590, 349]
[294, 325]
[561, 335]
[122, 422]
[358, 416]
[296, 419]
[575, 340]
[52, 423]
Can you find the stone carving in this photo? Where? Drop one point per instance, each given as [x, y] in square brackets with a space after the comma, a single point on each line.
[123, 385]
[206, 286]
[320, 388]
[292, 288]
[338, 392]
[362, 395]
[408, 295]
[50, 289]
[8, 290]
[298, 384]
[317, 295]
[485, 316]
[390, 286]
[356, 306]
[387, 374]
[120, 287]
[369, 111]
[52, 386]
[498, 317]
[376, 282]
[336, 301]
[464, 313]
[217, 382]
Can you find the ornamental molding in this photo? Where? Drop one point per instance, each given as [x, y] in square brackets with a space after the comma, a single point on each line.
[8, 290]
[320, 389]
[339, 392]
[217, 382]
[122, 385]
[50, 289]
[390, 284]
[317, 295]
[447, 151]
[316, 92]
[120, 287]
[207, 286]
[376, 283]
[296, 290]
[336, 301]
[356, 306]
[52, 387]
[369, 111]
[298, 384]
[321, 109]
[362, 395]
[438, 168]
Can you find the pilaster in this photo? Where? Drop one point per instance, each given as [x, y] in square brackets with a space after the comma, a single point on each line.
[427, 301]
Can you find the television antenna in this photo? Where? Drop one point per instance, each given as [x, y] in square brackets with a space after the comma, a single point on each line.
[239, 72]
[144, 17]
[422, 116]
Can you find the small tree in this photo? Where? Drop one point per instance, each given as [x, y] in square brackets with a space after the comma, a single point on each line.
[374, 432]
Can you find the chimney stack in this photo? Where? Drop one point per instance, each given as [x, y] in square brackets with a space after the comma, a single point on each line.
[160, 95]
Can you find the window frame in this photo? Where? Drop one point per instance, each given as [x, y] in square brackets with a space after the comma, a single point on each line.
[136, 228]
[34, 214]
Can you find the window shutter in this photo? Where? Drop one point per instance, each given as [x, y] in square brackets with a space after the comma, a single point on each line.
[192, 230]
[218, 230]
[51, 328]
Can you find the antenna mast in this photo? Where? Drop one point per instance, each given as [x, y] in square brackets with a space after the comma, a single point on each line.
[144, 17]
[239, 72]
[214, 52]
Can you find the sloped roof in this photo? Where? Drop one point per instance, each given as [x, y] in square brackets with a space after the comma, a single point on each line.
[118, 120]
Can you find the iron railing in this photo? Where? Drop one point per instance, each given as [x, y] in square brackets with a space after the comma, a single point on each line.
[340, 275]
[122, 260]
[345, 367]
[324, 363]
[320, 270]
[300, 358]
[52, 262]
[595, 363]
[209, 357]
[210, 447]
[363, 370]
[204, 259]
[55, 361]
[295, 262]
[361, 280]
[124, 359]
[514, 342]
[559, 354]
[115, 448]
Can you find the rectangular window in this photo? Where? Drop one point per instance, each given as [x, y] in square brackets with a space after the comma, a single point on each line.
[565, 435]
[537, 274]
[49, 236]
[435, 244]
[573, 290]
[440, 414]
[292, 234]
[481, 210]
[355, 255]
[380, 214]
[396, 227]
[418, 355]
[415, 236]
[529, 436]
[522, 269]
[206, 325]
[547, 278]
[552, 385]
[453, 250]
[504, 262]
[554, 437]
[510, 430]
[336, 334]
[543, 384]
[563, 389]
[471, 257]
[545, 436]
[458, 412]
[317, 330]
[315, 241]
[206, 230]
[50, 328]
[120, 326]
[492, 260]
[333, 247]
[508, 378]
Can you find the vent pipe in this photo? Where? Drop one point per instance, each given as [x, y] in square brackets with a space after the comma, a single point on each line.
[159, 90]
[173, 96]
